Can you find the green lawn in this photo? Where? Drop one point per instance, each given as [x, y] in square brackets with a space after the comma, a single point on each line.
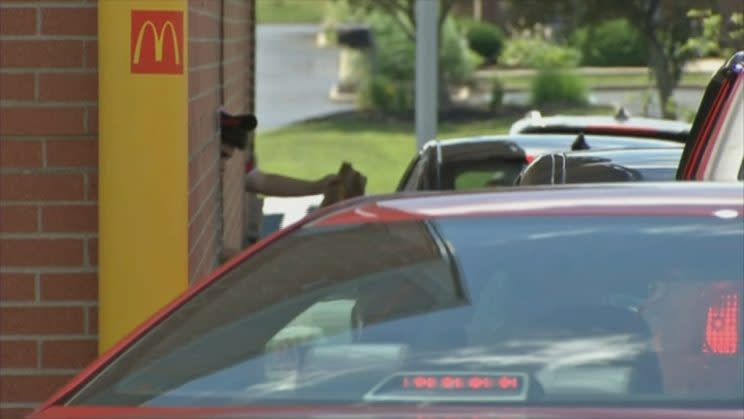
[290, 11]
[380, 150]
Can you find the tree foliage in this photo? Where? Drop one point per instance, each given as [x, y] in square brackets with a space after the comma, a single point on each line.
[663, 24]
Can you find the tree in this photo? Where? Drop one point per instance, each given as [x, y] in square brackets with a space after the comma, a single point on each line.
[403, 12]
[663, 24]
[715, 37]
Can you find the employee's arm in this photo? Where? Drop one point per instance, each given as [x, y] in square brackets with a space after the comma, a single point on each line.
[278, 185]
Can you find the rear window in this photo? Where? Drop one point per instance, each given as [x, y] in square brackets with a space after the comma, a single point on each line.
[512, 310]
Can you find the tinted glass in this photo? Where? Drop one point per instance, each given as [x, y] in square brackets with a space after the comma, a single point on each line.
[524, 310]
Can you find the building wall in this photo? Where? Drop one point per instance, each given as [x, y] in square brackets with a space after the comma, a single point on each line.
[49, 183]
[220, 75]
[48, 197]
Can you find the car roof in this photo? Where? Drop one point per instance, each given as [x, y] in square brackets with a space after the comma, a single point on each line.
[664, 198]
[620, 124]
[631, 157]
[511, 145]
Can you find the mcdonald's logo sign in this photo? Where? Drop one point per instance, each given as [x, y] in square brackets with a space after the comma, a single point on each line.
[157, 42]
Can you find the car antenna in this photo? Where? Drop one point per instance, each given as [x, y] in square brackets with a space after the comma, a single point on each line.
[580, 143]
[622, 114]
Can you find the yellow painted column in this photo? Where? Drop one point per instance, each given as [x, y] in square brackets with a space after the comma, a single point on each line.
[143, 160]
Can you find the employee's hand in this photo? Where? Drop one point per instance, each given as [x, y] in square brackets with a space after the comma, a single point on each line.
[328, 181]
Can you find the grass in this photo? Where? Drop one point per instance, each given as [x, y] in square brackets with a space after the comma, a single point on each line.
[380, 150]
[290, 11]
[593, 81]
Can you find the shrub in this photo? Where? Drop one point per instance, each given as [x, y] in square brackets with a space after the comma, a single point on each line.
[558, 87]
[530, 49]
[611, 43]
[388, 96]
[389, 80]
[486, 40]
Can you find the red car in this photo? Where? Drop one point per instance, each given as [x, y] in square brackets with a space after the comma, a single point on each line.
[715, 150]
[597, 301]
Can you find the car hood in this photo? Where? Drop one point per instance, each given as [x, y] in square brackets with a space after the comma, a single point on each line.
[383, 412]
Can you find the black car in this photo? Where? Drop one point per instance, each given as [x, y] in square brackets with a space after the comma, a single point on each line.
[592, 166]
[476, 162]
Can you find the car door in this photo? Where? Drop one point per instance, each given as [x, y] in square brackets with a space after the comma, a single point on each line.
[715, 149]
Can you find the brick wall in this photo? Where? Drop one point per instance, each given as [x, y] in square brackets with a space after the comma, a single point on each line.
[48, 178]
[220, 74]
[48, 197]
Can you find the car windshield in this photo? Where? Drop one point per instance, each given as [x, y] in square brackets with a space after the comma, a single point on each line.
[527, 310]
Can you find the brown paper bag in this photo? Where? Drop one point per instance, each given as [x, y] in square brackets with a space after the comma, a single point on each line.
[352, 184]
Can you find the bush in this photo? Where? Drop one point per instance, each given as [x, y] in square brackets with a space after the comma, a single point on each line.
[388, 83]
[558, 87]
[529, 49]
[384, 95]
[486, 40]
[611, 43]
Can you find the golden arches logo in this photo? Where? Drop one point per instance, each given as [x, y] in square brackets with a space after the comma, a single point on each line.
[158, 35]
[165, 27]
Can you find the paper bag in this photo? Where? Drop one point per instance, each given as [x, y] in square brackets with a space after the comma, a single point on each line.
[352, 184]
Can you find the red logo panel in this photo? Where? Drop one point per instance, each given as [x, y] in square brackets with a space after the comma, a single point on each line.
[156, 42]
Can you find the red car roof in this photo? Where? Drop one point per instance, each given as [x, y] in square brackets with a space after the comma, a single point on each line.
[595, 199]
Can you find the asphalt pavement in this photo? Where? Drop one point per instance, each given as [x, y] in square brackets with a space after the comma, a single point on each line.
[293, 76]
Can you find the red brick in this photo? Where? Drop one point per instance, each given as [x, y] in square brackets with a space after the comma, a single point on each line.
[17, 86]
[18, 354]
[15, 412]
[68, 87]
[203, 52]
[28, 120]
[205, 189]
[91, 192]
[41, 187]
[30, 388]
[198, 223]
[41, 252]
[93, 320]
[72, 153]
[91, 54]
[69, 21]
[202, 162]
[68, 353]
[69, 287]
[205, 6]
[17, 21]
[25, 154]
[203, 80]
[41, 54]
[23, 219]
[92, 121]
[41, 320]
[203, 26]
[69, 219]
[17, 287]
[93, 251]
